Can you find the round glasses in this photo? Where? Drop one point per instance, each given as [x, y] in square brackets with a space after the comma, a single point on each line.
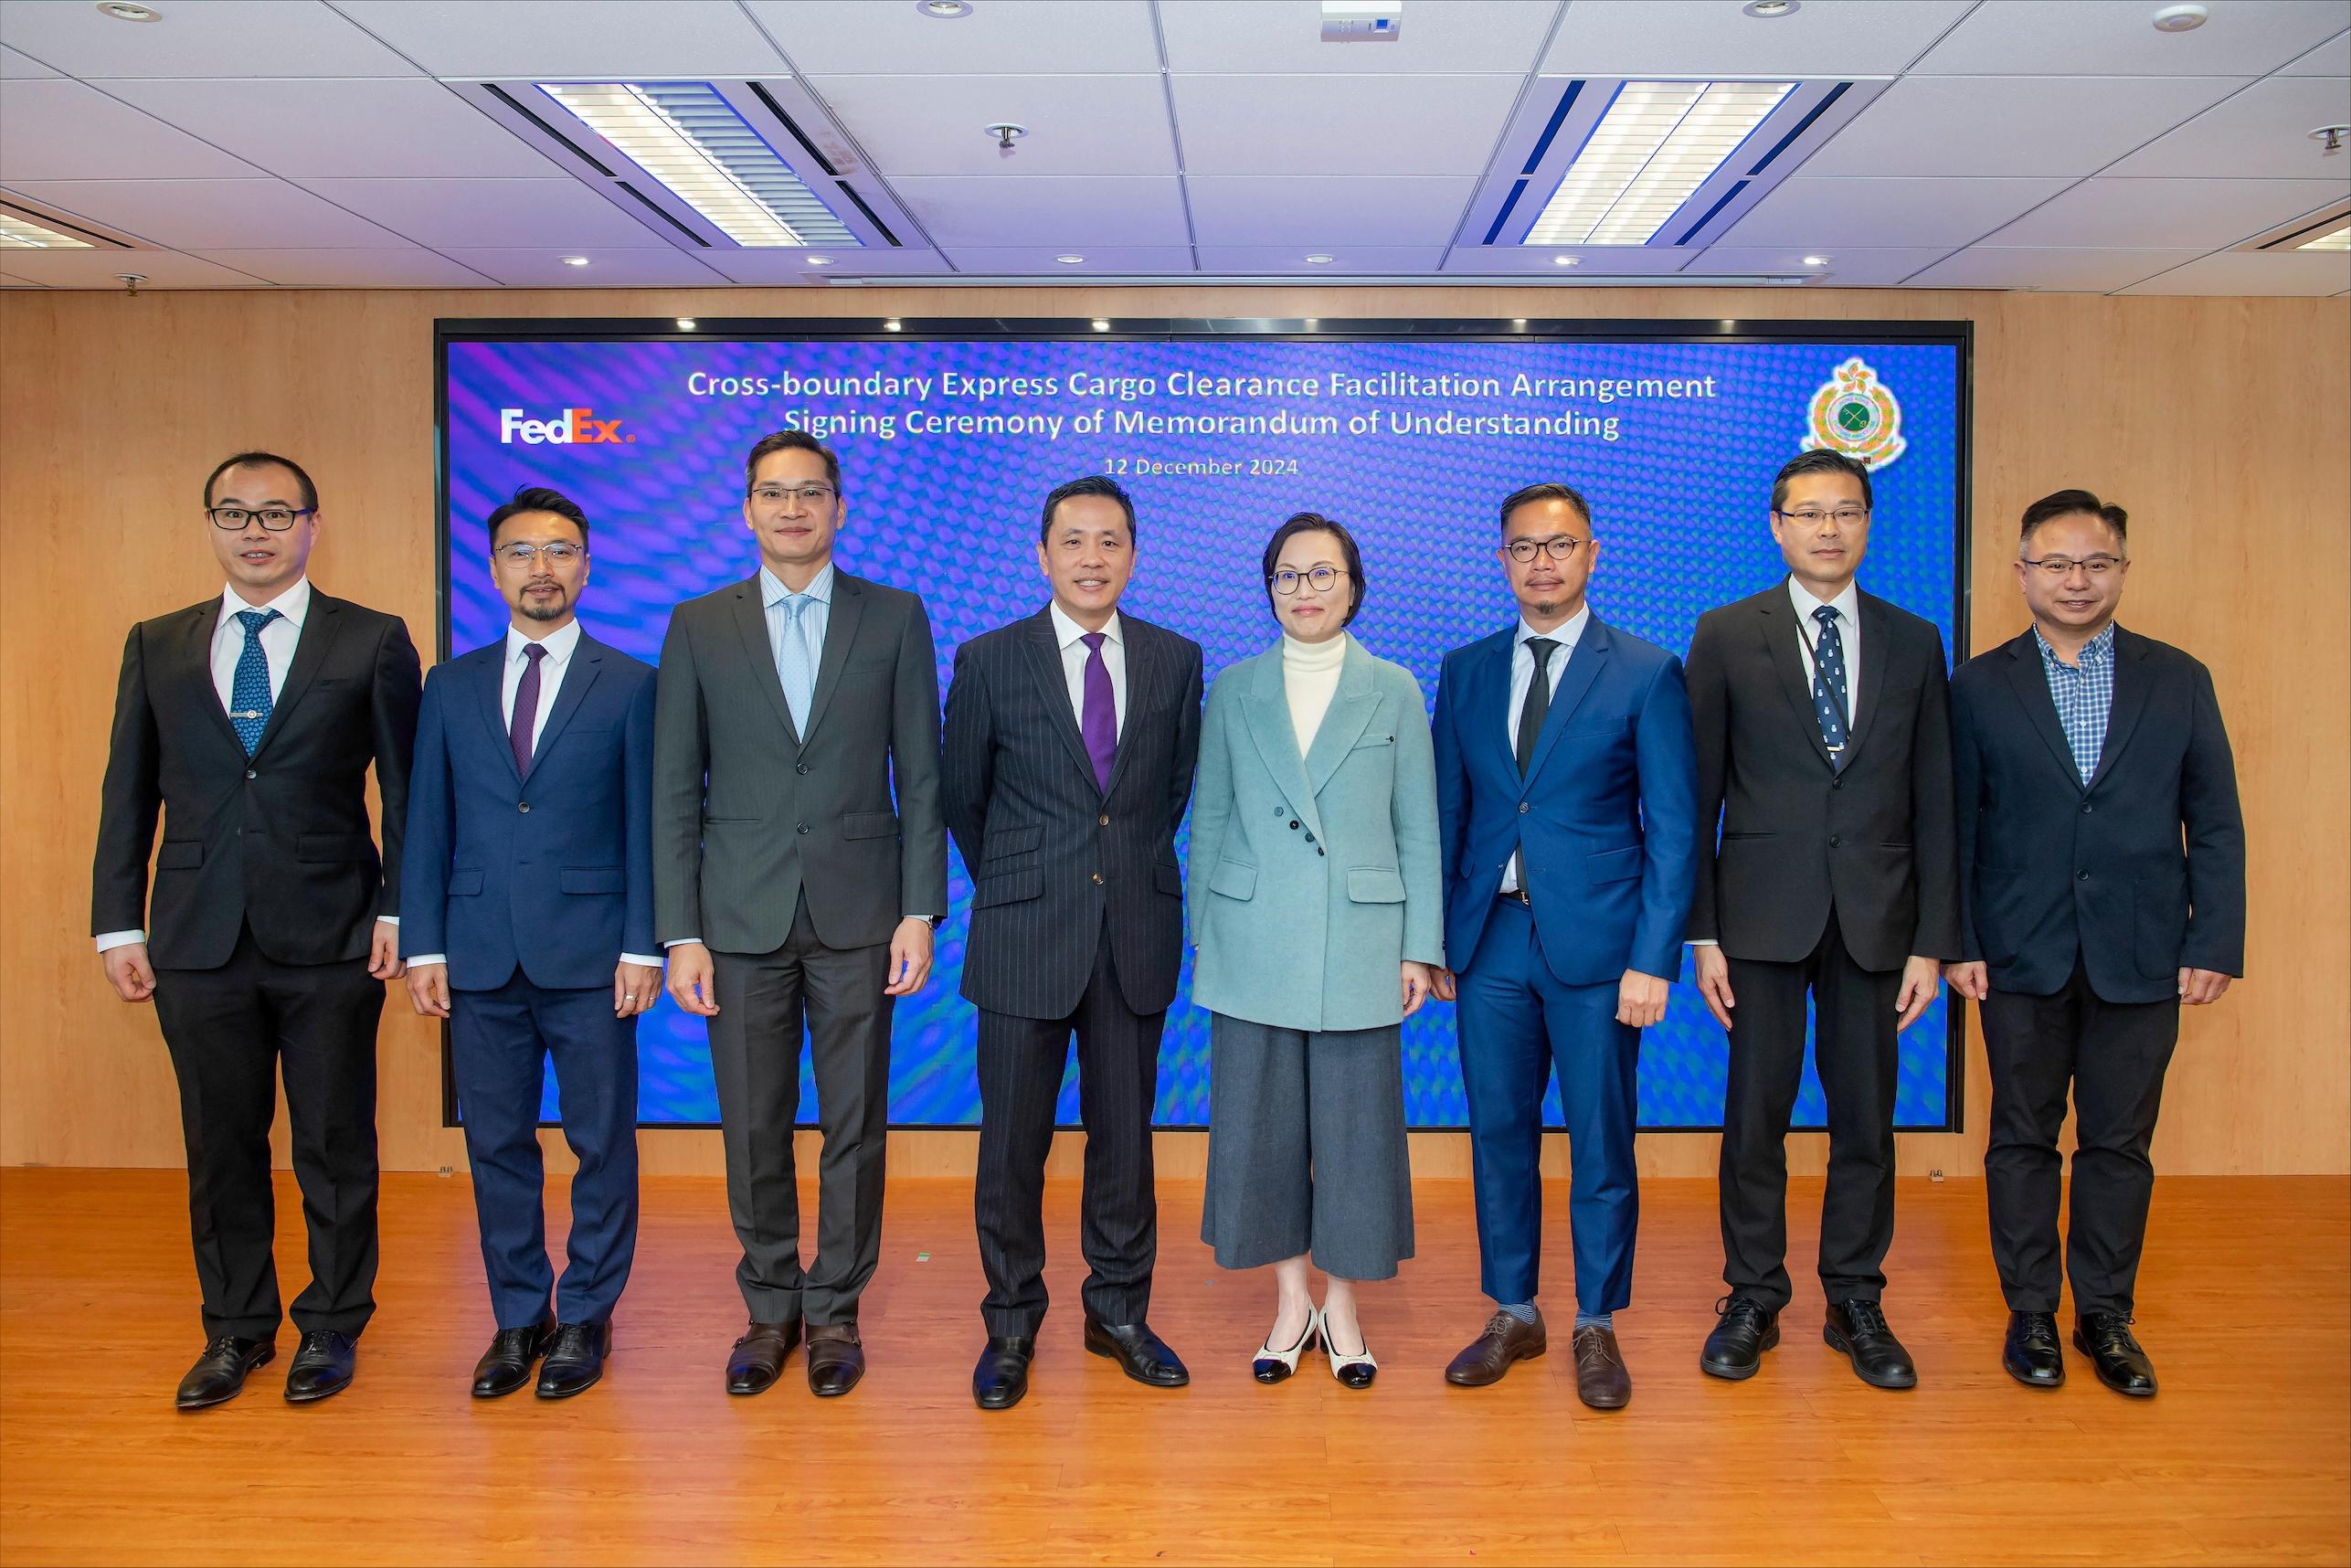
[1319, 579]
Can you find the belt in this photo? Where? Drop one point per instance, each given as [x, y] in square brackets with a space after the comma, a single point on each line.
[1518, 896]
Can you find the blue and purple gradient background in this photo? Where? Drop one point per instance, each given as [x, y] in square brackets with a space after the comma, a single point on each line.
[1678, 500]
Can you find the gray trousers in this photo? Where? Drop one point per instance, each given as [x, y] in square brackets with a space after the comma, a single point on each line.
[1306, 1149]
[763, 1001]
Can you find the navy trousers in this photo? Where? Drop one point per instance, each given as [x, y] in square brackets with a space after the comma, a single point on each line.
[1519, 1022]
[500, 1041]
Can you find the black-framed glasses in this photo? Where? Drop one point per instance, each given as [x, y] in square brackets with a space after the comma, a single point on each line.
[2056, 566]
[1812, 517]
[276, 519]
[809, 494]
[1559, 547]
[1319, 579]
[557, 553]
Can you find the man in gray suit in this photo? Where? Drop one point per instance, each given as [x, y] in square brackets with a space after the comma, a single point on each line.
[786, 887]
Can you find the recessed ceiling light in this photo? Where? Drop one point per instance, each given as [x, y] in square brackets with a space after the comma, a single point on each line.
[894, 324]
[2181, 18]
[1659, 141]
[123, 12]
[945, 10]
[685, 323]
[1101, 325]
[2339, 240]
[1567, 261]
[1069, 259]
[2330, 138]
[575, 261]
[1768, 10]
[1815, 261]
[1519, 322]
[1319, 259]
[22, 234]
[819, 260]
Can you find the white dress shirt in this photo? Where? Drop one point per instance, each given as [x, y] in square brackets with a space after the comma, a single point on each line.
[1067, 632]
[1848, 606]
[1522, 680]
[813, 620]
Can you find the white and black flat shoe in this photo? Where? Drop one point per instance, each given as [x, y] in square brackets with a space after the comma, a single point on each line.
[1273, 1366]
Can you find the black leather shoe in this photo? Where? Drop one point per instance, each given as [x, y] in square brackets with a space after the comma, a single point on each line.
[2032, 1354]
[1140, 1354]
[575, 1360]
[836, 1359]
[1002, 1378]
[1745, 1330]
[322, 1366]
[757, 1359]
[1858, 1328]
[506, 1366]
[219, 1374]
[2121, 1365]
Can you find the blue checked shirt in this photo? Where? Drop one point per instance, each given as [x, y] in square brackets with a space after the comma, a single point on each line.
[2084, 696]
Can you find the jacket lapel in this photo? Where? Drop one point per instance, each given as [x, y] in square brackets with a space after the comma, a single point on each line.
[751, 620]
[840, 631]
[1583, 661]
[1869, 679]
[203, 624]
[318, 628]
[1142, 673]
[486, 671]
[587, 659]
[2130, 702]
[1043, 650]
[1266, 712]
[2030, 685]
[1775, 622]
[1351, 706]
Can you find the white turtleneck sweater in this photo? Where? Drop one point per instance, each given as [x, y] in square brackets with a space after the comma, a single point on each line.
[1309, 678]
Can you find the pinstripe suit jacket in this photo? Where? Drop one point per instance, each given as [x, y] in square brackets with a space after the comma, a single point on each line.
[1051, 855]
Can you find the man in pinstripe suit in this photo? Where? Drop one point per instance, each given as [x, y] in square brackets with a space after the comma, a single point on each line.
[1070, 737]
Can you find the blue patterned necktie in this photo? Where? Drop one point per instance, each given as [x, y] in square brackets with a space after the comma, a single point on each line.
[1828, 683]
[793, 665]
[249, 697]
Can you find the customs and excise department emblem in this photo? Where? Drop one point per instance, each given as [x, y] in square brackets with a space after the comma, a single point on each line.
[1855, 413]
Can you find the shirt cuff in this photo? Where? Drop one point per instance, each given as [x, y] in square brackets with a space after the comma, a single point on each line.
[387, 919]
[107, 940]
[640, 961]
[1702, 942]
[428, 959]
[681, 942]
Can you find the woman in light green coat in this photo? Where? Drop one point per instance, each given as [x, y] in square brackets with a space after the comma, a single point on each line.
[1316, 902]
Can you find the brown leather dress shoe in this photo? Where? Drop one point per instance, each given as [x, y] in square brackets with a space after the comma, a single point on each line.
[1600, 1380]
[1489, 1355]
[757, 1359]
[835, 1359]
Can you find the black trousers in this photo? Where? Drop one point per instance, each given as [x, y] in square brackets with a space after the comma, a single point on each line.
[765, 1001]
[1853, 1046]
[2112, 1057]
[231, 1032]
[1020, 1064]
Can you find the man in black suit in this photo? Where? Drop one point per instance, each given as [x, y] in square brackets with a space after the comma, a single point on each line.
[250, 720]
[786, 888]
[2103, 861]
[1824, 745]
[1071, 738]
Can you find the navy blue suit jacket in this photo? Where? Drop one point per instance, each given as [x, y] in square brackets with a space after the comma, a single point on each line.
[551, 870]
[1607, 817]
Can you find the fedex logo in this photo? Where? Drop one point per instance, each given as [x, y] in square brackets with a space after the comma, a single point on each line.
[574, 426]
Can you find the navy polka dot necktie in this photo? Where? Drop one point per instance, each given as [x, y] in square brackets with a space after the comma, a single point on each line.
[1828, 683]
[249, 697]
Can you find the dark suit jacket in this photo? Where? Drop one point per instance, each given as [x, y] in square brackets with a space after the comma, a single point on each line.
[279, 842]
[1607, 817]
[2142, 873]
[1876, 841]
[749, 816]
[1050, 854]
[552, 870]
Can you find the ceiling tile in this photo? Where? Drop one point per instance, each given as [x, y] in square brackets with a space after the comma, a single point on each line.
[1533, 261]
[1027, 37]
[543, 268]
[2332, 57]
[1285, 35]
[1340, 124]
[380, 267]
[1047, 209]
[936, 124]
[2256, 272]
[2263, 132]
[1269, 260]
[2152, 213]
[209, 214]
[14, 67]
[546, 40]
[1043, 260]
[66, 130]
[2048, 269]
[2012, 125]
[97, 269]
[1319, 210]
[216, 38]
[550, 215]
[314, 128]
[2118, 38]
[1848, 266]
[1712, 37]
[1807, 211]
[786, 268]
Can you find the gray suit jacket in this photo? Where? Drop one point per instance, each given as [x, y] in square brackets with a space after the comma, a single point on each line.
[749, 816]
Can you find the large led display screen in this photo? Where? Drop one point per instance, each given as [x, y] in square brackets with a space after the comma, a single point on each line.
[950, 434]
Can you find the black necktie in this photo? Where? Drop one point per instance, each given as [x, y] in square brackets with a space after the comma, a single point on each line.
[1538, 703]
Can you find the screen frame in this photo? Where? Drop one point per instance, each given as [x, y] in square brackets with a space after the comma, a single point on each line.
[1957, 334]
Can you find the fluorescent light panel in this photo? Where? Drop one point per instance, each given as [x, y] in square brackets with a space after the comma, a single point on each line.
[1659, 141]
[22, 234]
[688, 137]
[2340, 239]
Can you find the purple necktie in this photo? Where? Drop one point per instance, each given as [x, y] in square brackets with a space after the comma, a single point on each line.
[1100, 722]
[526, 707]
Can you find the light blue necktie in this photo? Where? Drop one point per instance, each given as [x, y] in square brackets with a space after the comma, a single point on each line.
[249, 697]
[793, 665]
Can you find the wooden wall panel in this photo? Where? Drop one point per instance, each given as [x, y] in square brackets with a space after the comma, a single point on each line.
[2220, 423]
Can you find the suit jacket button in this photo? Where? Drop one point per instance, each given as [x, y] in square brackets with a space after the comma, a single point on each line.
[800, 828]
[1103, 820]
[1317, 849]
[251, 774]
[1522, 808]
[1293, 824]
[2085, 805]
[1097, 877]
[1835, 841]
[2081, 876]
[800, 767]
[1309, 838]
[523, 806]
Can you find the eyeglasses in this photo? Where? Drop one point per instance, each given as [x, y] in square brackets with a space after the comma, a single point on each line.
[1844, 516]
[276, 519]
[1319, 579]
[2063, 565]
[1559, 547]
[561, 553]
[806, 494]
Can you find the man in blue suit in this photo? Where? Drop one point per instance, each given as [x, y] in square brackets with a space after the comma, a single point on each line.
[530, 927]
[1567, 784]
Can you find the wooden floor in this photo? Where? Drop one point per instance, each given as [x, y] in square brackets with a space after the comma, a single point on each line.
[2245, 1457]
